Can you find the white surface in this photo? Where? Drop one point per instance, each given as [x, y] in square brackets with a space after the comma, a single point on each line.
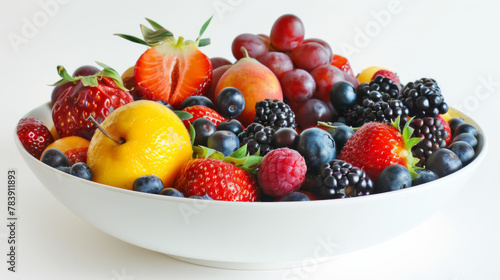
[454, 42]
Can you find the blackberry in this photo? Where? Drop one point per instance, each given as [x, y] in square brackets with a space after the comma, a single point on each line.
[386, 89]
[379, 111]
[274, 113]
[433, 135]
[423, 98]
[257, 136]
[340, 179]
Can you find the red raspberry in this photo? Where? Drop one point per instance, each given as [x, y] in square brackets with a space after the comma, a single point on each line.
[34, 136]
[281, 171]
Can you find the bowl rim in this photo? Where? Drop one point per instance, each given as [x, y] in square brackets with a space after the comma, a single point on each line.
[477, 160]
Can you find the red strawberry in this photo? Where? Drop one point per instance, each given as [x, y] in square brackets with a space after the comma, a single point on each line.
[34, 136]
[388, 74]
[171, 70]
[377, 145]
[218, 179]
[446, 127]
[95, 96]
[342, 63]
[200, 111]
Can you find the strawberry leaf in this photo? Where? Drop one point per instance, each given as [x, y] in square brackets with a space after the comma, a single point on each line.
[154, 24]
[252, 163]
[204, 27]
[240, 153]
[204, 42]
[132, 39]
[192, 133]
[205, 152]
[156, 37]
[183, 115]
[89, 81]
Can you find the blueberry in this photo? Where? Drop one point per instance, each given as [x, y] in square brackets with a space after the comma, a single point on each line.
[465, 127]
[55, 158]
[342, 96]
[454, 122]
[463, 150]
[224, 141]
[204, 197]
[393, 177]
[285, 137]
[341, 134]
[165, 103]
[443, 162]
[424, 176]
[81, 170]
[65, 169]
[148, 184]
[197, 100]
[232, 125]
[295, 196]
[203, 128]
[466, 137]
[317, 147]
[230, 102]
[171, 192]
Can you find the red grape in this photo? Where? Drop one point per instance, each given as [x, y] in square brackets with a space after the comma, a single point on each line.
[323, 43]
[86, 70]
[287, 33]
[216, 74]
[298, 85]
[219, 61]
[254, 45]
[325, 77]
[277, 62]
[309, 56]
[312, 111]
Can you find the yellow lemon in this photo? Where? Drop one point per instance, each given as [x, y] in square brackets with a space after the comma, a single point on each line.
[156, 142]
[366, 75]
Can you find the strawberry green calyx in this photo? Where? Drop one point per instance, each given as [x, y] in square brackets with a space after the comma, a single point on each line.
[406, 134]
[240, 158]
[159, 35]
[91, 81]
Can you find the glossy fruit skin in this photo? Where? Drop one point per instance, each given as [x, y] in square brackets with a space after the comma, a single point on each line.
[156, 142]
[86, 70]
[196, 100]
[287, 33]
[322, 43]
[199, 111]
[219, 61]
[317, 147]
[223, 141]
[343, 96]
[295, 196]
[285, 138]
[298, 85]
[454, 122]
[148, 184]
[341, 135]
[170, 73]
[217, 179]
[81, 170]
[325, 76]
[466, 137]
[74, 147]
[393, 177]
[424, 176]
[171, 192]
[443, 162]
[343, 64]
[464, 151]
[216, 75]
[446, 126]
[254, 45]
[59, 90]
[465, 127]
[230, 102]
[312, 111]
[309, 56]
[55, 158]
[203, 128]
[231, 125]
[374, 147]
[279, 63]
[281, 171]
[70, 111]
[34, 136]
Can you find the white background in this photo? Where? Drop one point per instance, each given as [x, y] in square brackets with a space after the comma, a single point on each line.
[455, 42]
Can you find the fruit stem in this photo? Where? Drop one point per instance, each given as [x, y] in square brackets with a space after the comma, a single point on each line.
[245, 52]
[333, 126]
[117, 140]
[180, 41]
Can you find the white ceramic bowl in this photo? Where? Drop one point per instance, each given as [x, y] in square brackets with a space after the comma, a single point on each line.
[243, 235]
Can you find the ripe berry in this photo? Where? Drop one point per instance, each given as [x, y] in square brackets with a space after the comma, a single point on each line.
[465, 127]
[196, 100]
[443, 162]
[257, 138]
[466, 137]
[81, 170]
[454, 122]
[464, 151]
[394, 177]
[230, 102]
[171, 192]
[343, 96]
[34, 136]
[285, 138]
[281, 171]
[223, 141]
[317, 147]
[203, 128]
[232, 125]
[148, 184]
[274, 113]
[340, 135]
[295, 196]
[423, 177]
[55, 158]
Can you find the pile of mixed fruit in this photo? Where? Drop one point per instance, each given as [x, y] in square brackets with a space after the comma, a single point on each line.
[288, 121]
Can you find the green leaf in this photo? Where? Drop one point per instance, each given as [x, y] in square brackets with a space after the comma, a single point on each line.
[183, 115]
[240, 153]
[204, 27]
[236, 161]
[155, 37]
[412, 142]
[64, 74]
[110, 73]
[132, 39]
[252, 163]
[154, 24]
[202, 152]
[89, 81]
[192, 133]
[204, 42]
